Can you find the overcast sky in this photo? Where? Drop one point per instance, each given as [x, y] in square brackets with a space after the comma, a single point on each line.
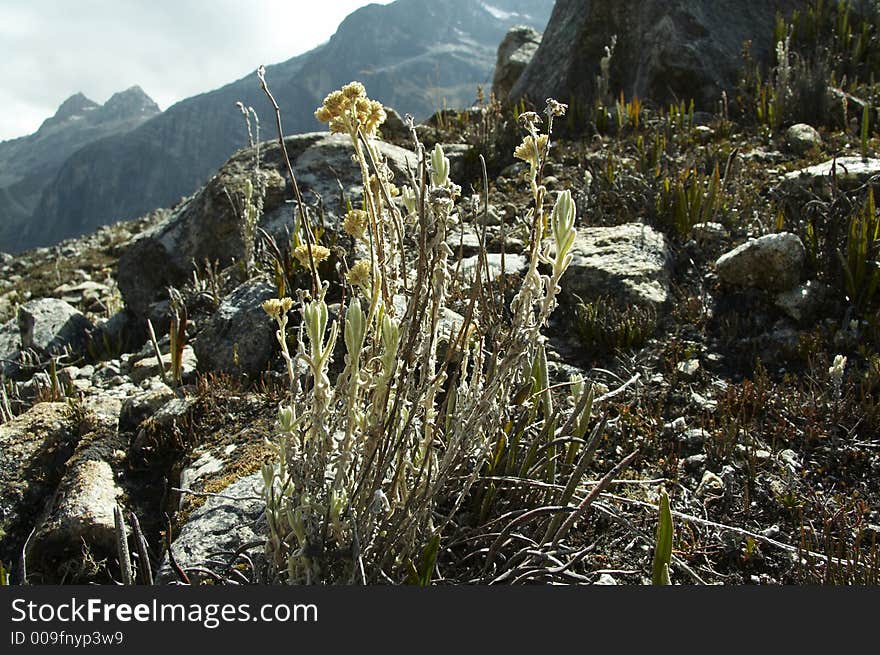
[173, 49]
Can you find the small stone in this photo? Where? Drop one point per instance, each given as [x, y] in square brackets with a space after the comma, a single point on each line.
[695, 437]
[676, 426]
[802, 138]
[695, 462]
[704, 133]
[771, 532]
[606, 579]
[772, 262]
[688, 368]
[709, 235]
[790, 459]
[148, 366]
[710, 484]
[705, 404]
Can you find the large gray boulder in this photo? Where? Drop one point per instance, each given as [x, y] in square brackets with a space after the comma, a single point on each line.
[515, 52]
[239, 338]
[666, 49]
[46, 327]
[208, 224]
[629, 263]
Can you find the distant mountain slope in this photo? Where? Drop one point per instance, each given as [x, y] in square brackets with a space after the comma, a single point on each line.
[410, 54]
[30, 163]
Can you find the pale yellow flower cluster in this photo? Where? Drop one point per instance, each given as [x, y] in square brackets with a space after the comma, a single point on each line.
[349, 108]
[526, 149]
[359, 275]
[319, 254]
[276, 307]
[355, 223]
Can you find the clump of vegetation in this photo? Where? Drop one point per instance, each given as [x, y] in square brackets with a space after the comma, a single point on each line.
[860, 262]
[371, 470]
[604, 328]
[689, 199]
[826, 61]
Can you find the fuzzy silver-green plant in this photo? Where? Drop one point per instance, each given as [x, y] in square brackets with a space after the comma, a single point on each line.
[362, 464]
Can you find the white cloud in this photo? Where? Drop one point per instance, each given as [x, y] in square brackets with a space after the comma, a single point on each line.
[173, 49]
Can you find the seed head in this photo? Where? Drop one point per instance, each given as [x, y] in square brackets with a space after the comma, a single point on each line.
[555, 108]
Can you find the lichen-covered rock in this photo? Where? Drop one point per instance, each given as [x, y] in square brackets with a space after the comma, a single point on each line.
[239, 337]
[772, 262]
[80, 512]
[224, 523]
[627, 262]
[514, 54]
[33, 450]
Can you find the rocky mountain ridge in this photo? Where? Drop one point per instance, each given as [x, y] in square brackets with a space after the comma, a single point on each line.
[29, 164]
[414, 55]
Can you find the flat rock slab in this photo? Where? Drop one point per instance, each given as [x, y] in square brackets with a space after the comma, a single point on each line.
[629, 263]
[33, 450]
[849, 173]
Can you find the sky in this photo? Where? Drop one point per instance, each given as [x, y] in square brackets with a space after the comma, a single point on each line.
[172, 49]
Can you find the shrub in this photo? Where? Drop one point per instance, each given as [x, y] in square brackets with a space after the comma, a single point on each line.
[370, 469]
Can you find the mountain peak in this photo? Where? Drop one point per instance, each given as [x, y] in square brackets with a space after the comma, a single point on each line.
[75, 105]
[131, 102]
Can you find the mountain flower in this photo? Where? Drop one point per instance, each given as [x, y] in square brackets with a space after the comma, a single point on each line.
[349, 109]
[359, 275]
[319, 254]
[355, 223]
[527, 151]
